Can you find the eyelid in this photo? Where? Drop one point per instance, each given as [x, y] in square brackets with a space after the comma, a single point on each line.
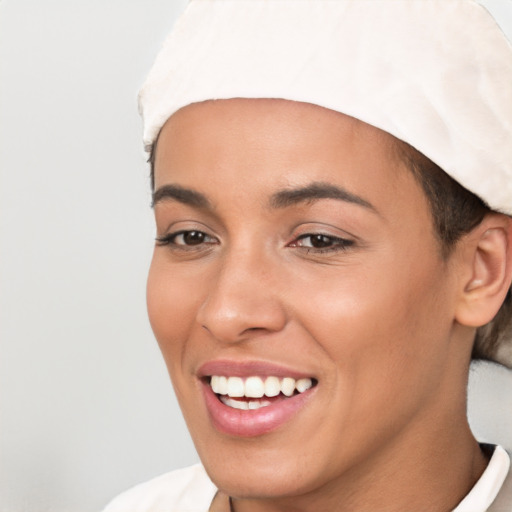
[183, 224]
[326, 235]
[321, 228]
[174, 217]
[341, 240]
[338, 242]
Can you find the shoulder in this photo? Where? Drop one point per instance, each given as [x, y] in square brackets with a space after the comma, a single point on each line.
[183, 490]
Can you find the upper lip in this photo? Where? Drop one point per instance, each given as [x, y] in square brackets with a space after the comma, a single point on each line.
[231, 368]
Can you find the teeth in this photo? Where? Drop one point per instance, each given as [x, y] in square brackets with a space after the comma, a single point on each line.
[236, 404]
[259, 404]
[219, 385]
[272, 386]
[214, 383]
[223, 385]
[256, 387]
[288, 386]
[244, 406]
[303, 385]
[235, 387]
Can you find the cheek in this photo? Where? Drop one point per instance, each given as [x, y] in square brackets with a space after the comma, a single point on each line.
[385, 330]
[170, 304]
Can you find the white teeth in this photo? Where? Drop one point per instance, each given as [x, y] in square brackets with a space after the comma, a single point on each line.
[235, 387]
[288, 386]
[223, 385]
[214, 383]
[272, 386]
[303, 385]
[236, 404]
[257, 387]
[259, 404]
[254, 387]
[244, 406]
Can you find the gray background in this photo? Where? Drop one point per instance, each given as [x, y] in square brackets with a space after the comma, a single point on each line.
[86, 409]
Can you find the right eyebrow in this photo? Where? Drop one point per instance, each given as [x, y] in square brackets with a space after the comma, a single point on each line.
[315, 191]
[182, 195]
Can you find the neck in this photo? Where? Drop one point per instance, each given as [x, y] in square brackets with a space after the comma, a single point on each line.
[413, 472]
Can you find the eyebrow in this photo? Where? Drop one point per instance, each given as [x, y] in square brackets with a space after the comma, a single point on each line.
[281, 199]
[180, 194]
[314, 191]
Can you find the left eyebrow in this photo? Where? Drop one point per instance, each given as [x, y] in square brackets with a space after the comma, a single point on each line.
[314, 191]
[181, 195]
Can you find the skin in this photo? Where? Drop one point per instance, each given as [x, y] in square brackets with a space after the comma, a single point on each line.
[374, 319]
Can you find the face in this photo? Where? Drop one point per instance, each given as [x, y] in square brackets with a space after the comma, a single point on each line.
[296, 260]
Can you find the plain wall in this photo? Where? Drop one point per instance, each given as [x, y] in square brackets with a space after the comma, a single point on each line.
[86, 408]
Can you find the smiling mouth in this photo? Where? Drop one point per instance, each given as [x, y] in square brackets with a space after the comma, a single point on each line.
[254, 392]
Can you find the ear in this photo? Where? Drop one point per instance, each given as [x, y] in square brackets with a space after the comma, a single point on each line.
[487, 274]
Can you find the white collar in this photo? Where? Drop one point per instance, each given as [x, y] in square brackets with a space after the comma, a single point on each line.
[486, 489]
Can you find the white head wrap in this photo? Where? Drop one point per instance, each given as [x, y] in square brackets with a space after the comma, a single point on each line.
[436, 74]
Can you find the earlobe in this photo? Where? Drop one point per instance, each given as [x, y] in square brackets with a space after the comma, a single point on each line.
[488, 256]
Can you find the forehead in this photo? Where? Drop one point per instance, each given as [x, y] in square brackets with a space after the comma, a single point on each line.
[270, 115]
[280, 136]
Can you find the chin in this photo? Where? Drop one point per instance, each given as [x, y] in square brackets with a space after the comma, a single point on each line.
[260, 481]
[263, 468]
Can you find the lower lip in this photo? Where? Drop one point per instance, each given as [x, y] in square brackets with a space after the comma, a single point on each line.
[255, 422]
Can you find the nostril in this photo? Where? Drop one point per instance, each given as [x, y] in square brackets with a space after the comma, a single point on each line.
[255, 329]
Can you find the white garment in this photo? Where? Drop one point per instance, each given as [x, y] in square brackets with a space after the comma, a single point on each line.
[184, 490]
[190, 490]
[489, 484]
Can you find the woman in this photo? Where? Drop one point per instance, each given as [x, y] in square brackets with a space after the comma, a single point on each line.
[330, 183]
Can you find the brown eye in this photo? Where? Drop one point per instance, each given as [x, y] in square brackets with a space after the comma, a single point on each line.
[320, 241]
[186, 239]
[193, 237]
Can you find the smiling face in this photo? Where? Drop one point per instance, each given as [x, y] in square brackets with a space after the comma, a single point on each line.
[296, 249]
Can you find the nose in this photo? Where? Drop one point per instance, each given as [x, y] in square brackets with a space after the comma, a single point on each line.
[243, 300]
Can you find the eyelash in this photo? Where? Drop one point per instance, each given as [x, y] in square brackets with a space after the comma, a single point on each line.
[337, 244]
[170, 239]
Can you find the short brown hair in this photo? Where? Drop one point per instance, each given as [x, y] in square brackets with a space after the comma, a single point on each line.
[455, 212]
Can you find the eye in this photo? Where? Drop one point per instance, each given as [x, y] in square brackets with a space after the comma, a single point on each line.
[321, 243]
[186, 238]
